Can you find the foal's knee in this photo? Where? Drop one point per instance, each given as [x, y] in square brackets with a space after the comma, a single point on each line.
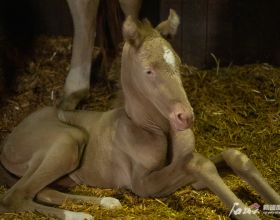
[200, 165]
[238, 161]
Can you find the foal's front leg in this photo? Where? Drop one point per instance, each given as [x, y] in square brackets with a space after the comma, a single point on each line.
[165, 181]
[205, 172]
[161, 182]
[84, 13]
[245, 168]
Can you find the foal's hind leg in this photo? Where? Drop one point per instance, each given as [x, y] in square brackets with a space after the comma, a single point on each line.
[244, 168]
[84, 13]
[44, 168]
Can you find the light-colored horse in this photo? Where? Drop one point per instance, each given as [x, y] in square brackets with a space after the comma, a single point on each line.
[146, 146]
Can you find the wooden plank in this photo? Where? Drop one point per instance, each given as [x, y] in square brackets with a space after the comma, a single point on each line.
[246, 31]
[194, 14]
[219, 32]
[164, 13]
[53, 17]
[256, 35]
[17, 22]
[247, 34]
[64, 18]
[269, 21]
[151, 10]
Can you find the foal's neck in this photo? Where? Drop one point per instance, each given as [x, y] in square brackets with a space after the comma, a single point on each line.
[145, 115]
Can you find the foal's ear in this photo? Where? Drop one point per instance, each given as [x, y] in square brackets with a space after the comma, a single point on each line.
[132, 32]
[169, 27]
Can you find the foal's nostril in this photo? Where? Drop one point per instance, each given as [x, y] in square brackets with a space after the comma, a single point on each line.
[185, 118]
[181, 116]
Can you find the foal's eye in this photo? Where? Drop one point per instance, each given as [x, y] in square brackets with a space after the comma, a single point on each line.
[149, 72]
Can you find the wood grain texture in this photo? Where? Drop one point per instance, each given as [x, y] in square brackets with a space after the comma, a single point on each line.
[235, 31]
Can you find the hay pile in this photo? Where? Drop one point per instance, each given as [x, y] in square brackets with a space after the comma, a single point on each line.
[237, 107]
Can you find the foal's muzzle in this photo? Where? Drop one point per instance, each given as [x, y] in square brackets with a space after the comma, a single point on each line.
[181, 117]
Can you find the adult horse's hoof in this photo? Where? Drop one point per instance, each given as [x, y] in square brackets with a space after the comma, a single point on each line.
[70, 102]
[110, 203]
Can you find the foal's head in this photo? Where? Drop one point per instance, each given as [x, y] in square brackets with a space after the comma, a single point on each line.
[151, 68]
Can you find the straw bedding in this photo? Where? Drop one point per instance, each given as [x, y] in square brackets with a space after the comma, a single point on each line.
[235, 107]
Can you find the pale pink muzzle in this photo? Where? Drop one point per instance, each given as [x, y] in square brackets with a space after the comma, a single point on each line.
[181, 117]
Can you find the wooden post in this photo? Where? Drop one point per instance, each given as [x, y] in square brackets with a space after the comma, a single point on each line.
[190, 41]
[219, 32]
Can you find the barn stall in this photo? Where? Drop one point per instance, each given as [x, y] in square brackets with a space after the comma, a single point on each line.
[236, 106]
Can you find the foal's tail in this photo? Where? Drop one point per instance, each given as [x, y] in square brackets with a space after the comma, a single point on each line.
[6, 178]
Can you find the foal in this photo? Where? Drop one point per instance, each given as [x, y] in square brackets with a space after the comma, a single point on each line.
[146, 146]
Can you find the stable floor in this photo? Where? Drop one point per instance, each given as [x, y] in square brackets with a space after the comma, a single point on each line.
[235, 107]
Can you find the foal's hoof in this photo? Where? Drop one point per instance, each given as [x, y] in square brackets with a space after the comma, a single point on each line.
[77, 216]
[71, 101]
[110, 203]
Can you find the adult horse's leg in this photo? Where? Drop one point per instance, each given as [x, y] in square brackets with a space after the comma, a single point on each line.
[245, 168]
[84, 13]
[131, 7]
[205, 172]
[44, 168]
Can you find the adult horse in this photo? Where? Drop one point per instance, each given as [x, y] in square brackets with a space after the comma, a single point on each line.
[84, 15]
[146, 146]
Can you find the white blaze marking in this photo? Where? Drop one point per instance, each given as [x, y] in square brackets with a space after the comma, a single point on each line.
[169, 56]
[77, 216]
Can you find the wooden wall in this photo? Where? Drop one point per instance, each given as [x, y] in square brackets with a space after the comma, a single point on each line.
[238, 31]
[52, 17]
[256, 31]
